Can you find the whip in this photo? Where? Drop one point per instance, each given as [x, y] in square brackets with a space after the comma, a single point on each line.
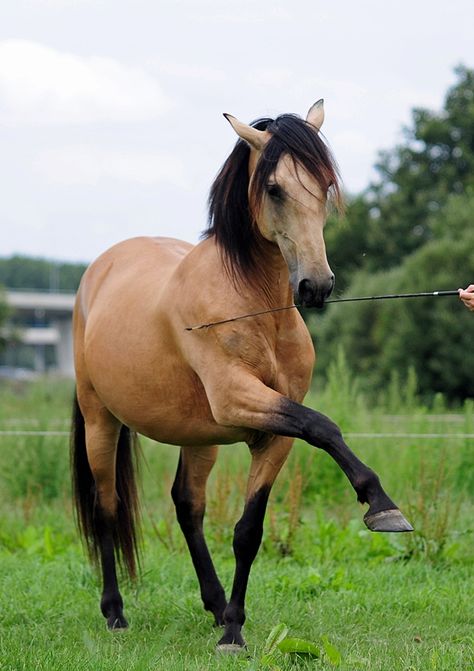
[422, 294]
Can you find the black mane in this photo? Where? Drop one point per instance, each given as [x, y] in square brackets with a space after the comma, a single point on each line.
[232, 218]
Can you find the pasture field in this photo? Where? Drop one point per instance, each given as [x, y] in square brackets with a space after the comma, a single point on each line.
[365, 601]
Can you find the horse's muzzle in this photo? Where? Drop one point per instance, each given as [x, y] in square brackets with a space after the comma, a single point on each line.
[312, 293]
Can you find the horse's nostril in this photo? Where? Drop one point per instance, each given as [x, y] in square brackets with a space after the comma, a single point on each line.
[305, 291]
[312, 293]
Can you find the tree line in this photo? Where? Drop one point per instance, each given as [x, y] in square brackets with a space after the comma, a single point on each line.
[23, 272]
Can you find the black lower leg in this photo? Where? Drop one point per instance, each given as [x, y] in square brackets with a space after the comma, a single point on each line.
[296, 420]
[212, 592]
[191, 522]
[318, 430]
[111, 603]
[247, 538]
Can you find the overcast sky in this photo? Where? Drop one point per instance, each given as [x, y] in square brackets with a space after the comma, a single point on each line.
[111, 111]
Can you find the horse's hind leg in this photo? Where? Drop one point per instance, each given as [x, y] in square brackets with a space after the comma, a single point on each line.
[96, 497]
[189, 496]
[266, 464]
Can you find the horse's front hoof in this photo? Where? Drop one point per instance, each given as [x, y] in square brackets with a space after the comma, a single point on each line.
[230, 648]
[232, 642]
[387, 520]
[117, 623]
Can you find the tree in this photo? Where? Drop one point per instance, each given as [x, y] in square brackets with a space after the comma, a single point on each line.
[433, 335]
[417, 178]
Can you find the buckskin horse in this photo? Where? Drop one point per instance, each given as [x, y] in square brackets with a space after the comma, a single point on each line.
[139, 370]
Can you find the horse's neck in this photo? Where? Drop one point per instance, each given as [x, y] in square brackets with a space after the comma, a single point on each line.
[276, 278]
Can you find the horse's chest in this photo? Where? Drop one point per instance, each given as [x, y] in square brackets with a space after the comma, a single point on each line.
[282, 360]
[295, 361]
[252, 349]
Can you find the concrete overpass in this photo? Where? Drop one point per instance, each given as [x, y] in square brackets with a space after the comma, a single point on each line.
[39, 332]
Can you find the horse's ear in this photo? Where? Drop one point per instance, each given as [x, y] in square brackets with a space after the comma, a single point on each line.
[315, 115]
[257, 139]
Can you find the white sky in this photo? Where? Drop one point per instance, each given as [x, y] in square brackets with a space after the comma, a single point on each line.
[111, 111]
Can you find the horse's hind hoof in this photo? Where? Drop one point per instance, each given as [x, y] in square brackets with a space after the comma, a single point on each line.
[117, 624]
[387, 520]
[230, 648]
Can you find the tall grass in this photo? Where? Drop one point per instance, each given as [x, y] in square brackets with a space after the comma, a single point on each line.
[431, 480]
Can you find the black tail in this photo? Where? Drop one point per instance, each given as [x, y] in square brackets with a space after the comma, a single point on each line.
[126, 524]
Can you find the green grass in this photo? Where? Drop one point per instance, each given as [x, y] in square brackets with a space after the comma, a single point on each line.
[383, 602]
[379, 611]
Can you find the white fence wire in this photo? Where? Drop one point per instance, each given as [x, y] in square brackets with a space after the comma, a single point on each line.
[349, 436]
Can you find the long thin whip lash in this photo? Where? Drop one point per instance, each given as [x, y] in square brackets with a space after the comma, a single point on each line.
[422, 294]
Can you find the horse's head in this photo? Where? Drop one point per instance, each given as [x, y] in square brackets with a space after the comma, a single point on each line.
[290, 174]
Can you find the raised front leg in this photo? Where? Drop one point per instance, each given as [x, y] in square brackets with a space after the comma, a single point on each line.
[296, 420]
[266, 464]
[252, 404]
[189, 496]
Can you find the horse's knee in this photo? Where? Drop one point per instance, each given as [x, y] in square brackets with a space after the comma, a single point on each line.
[234, 402]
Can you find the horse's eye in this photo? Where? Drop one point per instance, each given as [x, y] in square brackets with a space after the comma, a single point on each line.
[275, 191]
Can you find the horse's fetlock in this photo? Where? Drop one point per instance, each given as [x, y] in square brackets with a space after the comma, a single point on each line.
[111, 604]
[366, 485]
[234, 614]
[214, 600]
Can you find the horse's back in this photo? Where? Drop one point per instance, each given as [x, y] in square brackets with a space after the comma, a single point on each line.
[141, 266]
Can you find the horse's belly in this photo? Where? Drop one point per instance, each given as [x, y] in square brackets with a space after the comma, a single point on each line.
[160, 398]
[179, 416]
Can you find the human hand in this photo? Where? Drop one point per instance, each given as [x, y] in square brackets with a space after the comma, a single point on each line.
[467, 297]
